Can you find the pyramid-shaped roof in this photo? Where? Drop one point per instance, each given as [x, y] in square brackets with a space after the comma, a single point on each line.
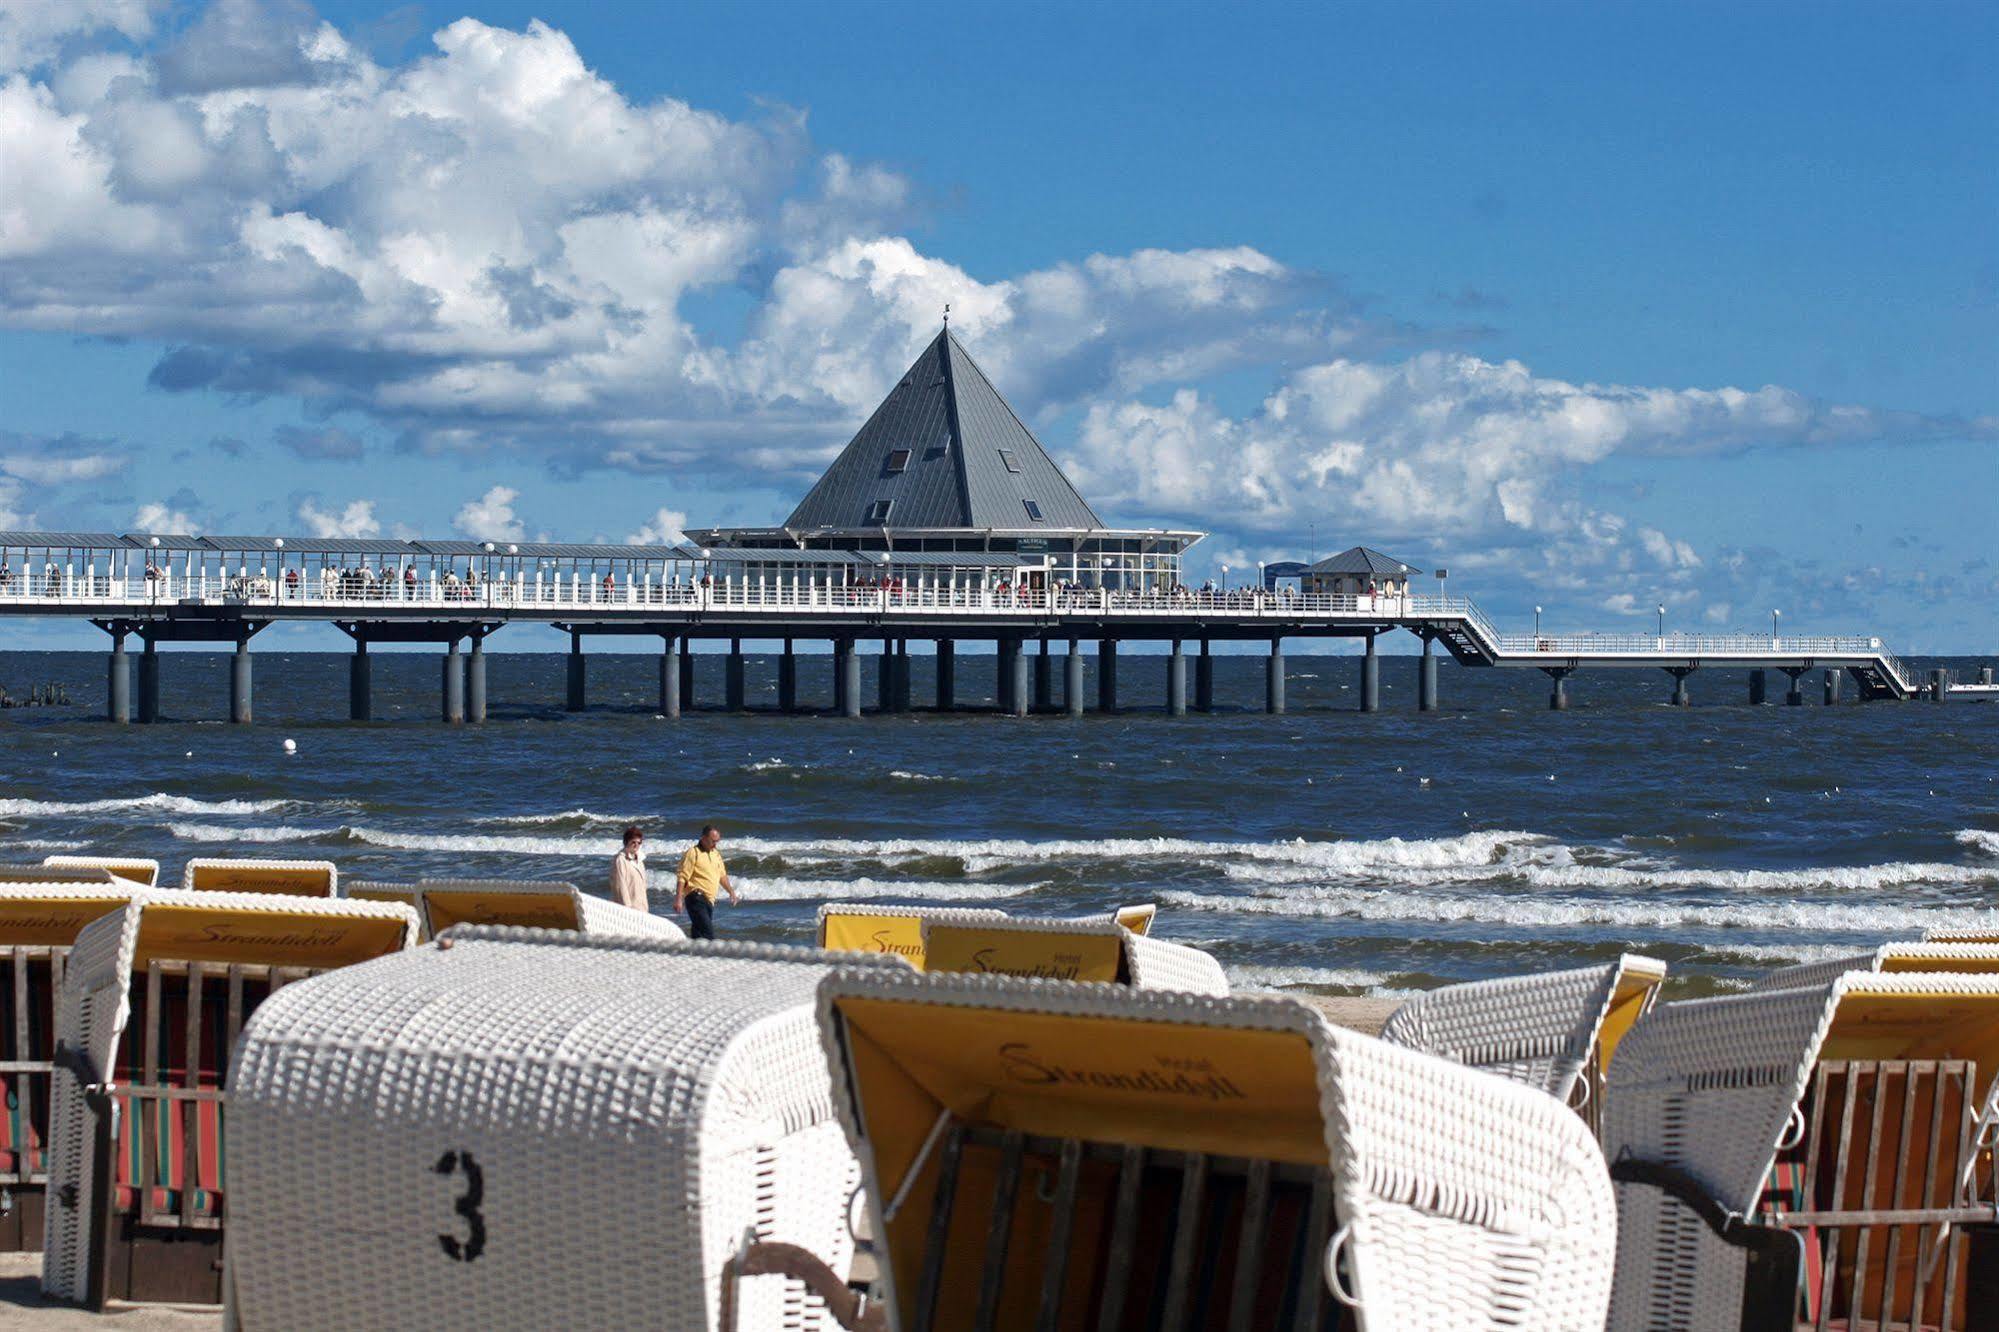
[969, 461]
[1362, 560]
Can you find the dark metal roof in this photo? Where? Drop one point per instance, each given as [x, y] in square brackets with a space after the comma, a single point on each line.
[775, 555]
[943, 559]
[955, 425]
[310, 545]
[63, 540]
[167, 541]
[1362, 560]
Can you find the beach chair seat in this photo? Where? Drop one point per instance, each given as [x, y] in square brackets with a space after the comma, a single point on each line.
[535, 1129]
[1069, 950]
[133, 869]
[1556, 1030]
[154, 997]
[289, 878]
[1043, 1155]
[868, 927]
[1968, 958]
[38, 925]
[1815, 1157]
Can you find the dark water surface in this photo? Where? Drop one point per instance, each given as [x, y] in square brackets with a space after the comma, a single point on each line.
[1325, 848]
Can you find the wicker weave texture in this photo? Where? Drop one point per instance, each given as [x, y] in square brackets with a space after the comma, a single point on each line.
[1154, 964]
[1930, 956]
[1473, 1203]
[633, 1109]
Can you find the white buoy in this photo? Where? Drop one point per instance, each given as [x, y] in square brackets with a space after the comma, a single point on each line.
[291, 746]
[189, 754]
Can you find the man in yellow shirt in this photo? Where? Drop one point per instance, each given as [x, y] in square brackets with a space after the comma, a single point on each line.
[701, 872]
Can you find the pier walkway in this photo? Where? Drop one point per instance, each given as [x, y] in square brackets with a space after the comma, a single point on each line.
[681, 595]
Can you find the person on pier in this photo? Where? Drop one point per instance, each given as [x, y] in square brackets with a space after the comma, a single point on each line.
[701, 873]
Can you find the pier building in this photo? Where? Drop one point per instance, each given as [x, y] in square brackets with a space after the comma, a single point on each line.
[943, 519]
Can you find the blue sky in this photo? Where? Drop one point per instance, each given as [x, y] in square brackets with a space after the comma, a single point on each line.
[1603, 307]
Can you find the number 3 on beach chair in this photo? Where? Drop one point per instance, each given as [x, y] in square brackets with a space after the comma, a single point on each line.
[153, 999]
[1052, 1156]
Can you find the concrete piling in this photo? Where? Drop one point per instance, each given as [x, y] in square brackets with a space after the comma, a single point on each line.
[1558, 694]
[1072, 679]
[947, 674]
[850, 678]
[239, 683]
[686, 675]
[1204, 679]
[1939, 684]
[1831, 685]
[885, 677]
[1176, 681]
[1018, 686]
[732, 686]
[1759, 688]
[360, 683]
[1370, 677]
[1273, 678]
[669, 678]
[1426, 676]
[1794, 696]
[149, 682]
[575, 698]
[903, 691]
[118, 684]
[1044, 680]
[1107, 675]
[475, 681]
[787, 679]
[1682, 697]
[454, 683]
[1006, 649]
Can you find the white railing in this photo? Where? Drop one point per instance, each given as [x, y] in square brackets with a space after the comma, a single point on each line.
[1687, 645]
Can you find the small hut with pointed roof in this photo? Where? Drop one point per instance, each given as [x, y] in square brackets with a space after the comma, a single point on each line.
[944, 471]
[1360, 572]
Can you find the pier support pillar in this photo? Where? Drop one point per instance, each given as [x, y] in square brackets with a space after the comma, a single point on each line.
[1370, 677]
[686, 674]
[118, 683]
[360, 683]
[1558, 694]
[885, 678]
[575, 700]
[1017, 686]
[1072, 679]
[1044, 680]
[1204, 679]
[903, 690]
[947, 674]
[1794, 696]
[1176, 681]
[1273, 678]
[1426, 676]
[669, 678]
[239, 683]
[1682, 698]
[475, 681]
[149, 683]
[1939, 684]
[1985, 675]
[1759, 688]
[1107, 675]
[733, 676]
[1004, 651]
[454, 683]
[849, 667]
[787, 680]
[1832, 679]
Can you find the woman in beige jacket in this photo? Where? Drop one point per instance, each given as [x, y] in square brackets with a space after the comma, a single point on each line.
[628, 871]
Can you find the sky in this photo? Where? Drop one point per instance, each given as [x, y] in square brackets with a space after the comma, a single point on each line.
[1602, 308]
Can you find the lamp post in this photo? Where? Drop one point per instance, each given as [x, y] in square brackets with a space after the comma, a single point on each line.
[1537, 622]
[1775, 615]
[1662, 621]
[1225, 578]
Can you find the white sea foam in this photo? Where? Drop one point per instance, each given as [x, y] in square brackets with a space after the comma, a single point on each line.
[1981, 841]
[42, 844]
[565, 816]
[158, 802]
[903, 776]
[1254, 977]
[1542, 911]
[781, 889]
[222, 832]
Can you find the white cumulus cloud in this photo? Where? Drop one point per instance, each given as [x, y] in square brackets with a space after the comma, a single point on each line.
[159, 516]
[354, 519]
[667, 527]
[491, 517]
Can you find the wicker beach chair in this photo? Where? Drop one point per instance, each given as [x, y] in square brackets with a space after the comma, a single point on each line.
[1816, 1157]
[535, 1129]
[1137, 917]
[28, 876]
[38, 925]
[135, 869]
[289, 878]
[528, 903]
[866, 927]
[1972, 935]
[1557, 1030]
[1069, 950]
[154, 997]
[1969, 958]
[1045, 1155]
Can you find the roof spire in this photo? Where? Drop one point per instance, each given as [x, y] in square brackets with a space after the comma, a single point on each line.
[947, 315]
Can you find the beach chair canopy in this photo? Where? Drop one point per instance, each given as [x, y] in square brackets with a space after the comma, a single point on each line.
[29, 875]
[152, 1001]
[38, 923]
[1818, 1109]
[534, 1129]
[867, 927]
[291, 878]
[1069, 950]
[1971, 958]
[1988, 934]
[1044, 1155]
[1137, 918]
[136, 869]
[1544, 1030]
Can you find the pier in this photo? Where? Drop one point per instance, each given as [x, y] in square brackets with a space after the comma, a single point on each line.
[457, 595]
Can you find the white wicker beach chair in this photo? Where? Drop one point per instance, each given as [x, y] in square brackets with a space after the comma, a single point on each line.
[870, 927]
[1972, 935]
[38, 925]
[1814, 1157]
[1137, 917]
[289, 878]
[1556, 1030]
[1970, 958]
[35, 875]
[1043, 1155]
[136, 869]
[535, 1129]
[527, 903]
[152, 1001]
[1069, 950]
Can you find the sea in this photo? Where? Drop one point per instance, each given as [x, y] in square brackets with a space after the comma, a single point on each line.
[1326, 849]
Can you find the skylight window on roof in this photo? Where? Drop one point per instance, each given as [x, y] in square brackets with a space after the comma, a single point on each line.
[1034, 511]
[898, 461]
[878, 511]
[1010, 460]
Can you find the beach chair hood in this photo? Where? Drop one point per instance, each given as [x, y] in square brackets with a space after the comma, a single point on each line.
[291, 878]
[865, 927]
[532, 1129]
[1464, 1201]
[1890, 957]
[1069, 950]
[136, 869]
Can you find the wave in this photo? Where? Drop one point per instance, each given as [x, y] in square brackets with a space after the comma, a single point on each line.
[1553, 867]
[781, 889]
[1522, 910]
[903, 776]
[43, 844]
[221, 832]
[1257, 977]
[158, 802]
[1985, 843]
[567, 818]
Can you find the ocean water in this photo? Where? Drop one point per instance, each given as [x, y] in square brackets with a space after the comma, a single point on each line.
[1325, 849]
